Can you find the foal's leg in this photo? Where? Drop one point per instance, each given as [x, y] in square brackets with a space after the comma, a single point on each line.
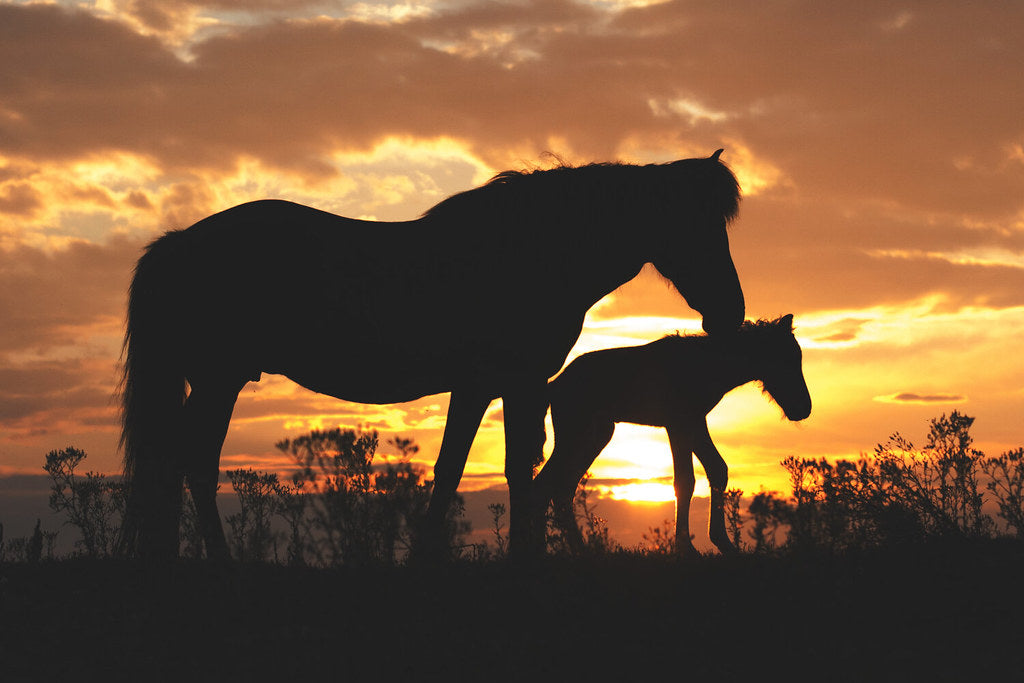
[718, 479]
[680, 438]
[207, 414]
[525, 406]
[578, 442]
[465, 410]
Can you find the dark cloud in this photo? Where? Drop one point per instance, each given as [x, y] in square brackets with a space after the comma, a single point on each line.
[911, 397]
[843, 330]
[55, 298]
[20, 199]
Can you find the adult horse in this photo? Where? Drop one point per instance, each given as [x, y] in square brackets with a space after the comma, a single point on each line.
[483, 296]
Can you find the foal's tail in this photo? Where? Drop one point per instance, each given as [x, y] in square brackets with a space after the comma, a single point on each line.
[153, 396]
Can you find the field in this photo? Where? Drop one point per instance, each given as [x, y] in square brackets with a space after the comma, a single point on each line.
[931, 612]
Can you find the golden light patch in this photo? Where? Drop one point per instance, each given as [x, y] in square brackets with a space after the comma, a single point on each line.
[643, 492]
[601, 333]
[82, 200]
[403, 151]
[380, 13]
[175, 25]
[744, 409]
[635, 452]
[254, 179]
[977, 256]
[690, 109]
[114, 171]
[755, 173]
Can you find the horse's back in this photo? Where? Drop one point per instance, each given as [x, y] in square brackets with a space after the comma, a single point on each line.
[649, 384]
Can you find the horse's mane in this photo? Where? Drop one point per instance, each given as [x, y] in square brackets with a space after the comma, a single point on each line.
[699, 184]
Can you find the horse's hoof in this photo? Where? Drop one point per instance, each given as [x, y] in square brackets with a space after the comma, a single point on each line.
[688, 552]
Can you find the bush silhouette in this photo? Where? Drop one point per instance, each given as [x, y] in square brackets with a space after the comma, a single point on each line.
[259, 496]
[593, 528]
[343, 508]
[1006, 484]
[348, 505]
[94, 504]
[900, 494]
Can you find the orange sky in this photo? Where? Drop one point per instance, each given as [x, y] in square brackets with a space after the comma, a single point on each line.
[879, 145]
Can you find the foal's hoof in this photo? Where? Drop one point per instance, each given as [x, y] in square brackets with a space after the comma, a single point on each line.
[725, 546]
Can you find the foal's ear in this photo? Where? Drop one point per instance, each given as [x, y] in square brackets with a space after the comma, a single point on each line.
[787, 321]
[714, 157]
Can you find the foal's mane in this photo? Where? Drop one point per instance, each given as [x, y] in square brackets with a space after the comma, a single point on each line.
[699, 184]
[749, 330]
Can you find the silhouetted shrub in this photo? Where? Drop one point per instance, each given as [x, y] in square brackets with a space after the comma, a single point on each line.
[500, 540]
[659, 540]
[345, 509]
[1006, 483]
[93, 504]
[593, 528]
[596, 537]
[901, 494]
[938, 485]
[769, 513]
[29, 549]
[733, 516]
[249, 531]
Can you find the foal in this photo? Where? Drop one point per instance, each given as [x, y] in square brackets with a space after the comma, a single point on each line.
[672, 383]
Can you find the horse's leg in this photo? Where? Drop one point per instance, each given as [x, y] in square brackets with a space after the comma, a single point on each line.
[718, 479]
[525, 406]
[465, 410]
[680, 438]
[207, 414]
[577, 445]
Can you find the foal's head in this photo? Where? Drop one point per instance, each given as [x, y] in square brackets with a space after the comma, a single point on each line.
[776, 355]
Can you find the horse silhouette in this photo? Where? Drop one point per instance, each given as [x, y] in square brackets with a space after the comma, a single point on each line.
[672, 383]
[483, 296]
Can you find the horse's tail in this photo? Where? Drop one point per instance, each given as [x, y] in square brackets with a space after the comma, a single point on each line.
[152, 402]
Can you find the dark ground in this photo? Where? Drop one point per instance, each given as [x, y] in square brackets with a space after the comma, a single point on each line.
[951, 613]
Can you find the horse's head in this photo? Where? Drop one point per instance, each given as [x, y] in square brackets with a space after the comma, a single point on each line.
[781, 368]
[695, 256]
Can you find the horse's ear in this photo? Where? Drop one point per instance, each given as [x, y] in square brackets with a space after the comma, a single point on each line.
[787, 321]
[714, 157]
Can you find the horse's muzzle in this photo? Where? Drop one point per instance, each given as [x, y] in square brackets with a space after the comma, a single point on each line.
[722, 325]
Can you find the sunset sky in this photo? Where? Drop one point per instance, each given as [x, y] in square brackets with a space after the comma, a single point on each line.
[879, 145]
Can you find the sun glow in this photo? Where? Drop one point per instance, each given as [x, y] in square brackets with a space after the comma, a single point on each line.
[643, 492]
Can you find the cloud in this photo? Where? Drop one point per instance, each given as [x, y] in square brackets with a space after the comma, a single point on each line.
[911, 397]
[794, 85]
[19, 199]
[783, 89]
[71, 297]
